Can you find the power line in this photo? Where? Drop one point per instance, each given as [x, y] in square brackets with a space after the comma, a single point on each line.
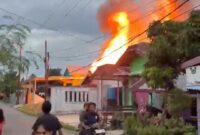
[138, 19]
[94, 52]
[87, 44]
[135, 9]
[77, 56]
[71, 9]
[88, 53]
[151, 12]
[76, 59]
[131, 39]
[53, 12]
[42, 25]
[86, 5]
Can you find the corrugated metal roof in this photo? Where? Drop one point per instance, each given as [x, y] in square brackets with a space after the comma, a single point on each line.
[191, 62]
[194, 87]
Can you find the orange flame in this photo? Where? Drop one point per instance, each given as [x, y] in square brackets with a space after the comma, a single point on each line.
[124, 19]
[114, 49]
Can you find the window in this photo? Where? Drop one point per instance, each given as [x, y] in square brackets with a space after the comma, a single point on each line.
[70, 96]
[76, 96]
[66, 96]
[193, 70]
[79, 96]
[87, 97]
[75, 100]
[83, 97]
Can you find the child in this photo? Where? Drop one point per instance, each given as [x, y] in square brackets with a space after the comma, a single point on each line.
[2, 120]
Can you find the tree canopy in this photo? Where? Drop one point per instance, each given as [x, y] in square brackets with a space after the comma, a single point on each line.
[55, 72]
[13, 38]
[9, 83]
[172, 43]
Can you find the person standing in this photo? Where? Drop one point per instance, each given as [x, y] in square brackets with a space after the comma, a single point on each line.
[48, 121]
[2, 121]
[82, 114]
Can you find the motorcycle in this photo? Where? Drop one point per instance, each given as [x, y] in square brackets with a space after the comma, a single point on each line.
[93, 131]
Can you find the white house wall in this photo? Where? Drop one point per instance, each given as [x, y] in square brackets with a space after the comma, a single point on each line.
[181, 82]
[102, 87]
[193, 75]
[61, 102]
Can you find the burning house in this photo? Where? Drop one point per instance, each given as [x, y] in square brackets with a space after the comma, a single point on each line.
[118, 69]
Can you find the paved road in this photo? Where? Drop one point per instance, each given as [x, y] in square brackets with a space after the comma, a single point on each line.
[18, 123]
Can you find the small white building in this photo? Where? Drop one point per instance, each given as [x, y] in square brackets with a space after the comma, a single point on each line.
[192, 69]
[71, 99]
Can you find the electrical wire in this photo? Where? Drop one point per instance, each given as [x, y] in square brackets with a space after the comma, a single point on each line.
[53, 12]
[126, 26]
[44, 26]
[136, 20]
[131, 39]
[71, 9]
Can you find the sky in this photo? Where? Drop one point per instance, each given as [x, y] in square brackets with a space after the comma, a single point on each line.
[67, 25]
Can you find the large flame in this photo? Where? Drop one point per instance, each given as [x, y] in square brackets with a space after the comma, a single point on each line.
[114, 50]
[125, 19]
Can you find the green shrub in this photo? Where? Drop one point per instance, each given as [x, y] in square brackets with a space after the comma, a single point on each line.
[132, 125]
[153, 130]
[135, 126]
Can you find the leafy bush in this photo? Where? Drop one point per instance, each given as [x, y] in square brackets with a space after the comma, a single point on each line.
[134, 126]
[179, 127]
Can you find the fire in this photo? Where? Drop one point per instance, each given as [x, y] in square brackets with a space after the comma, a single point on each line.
[125, 19]
[118, 44]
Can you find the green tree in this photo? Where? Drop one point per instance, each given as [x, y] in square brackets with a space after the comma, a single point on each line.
[55, 72]
[172, 43]
[67, 73]
[12, 40]
[9, 83]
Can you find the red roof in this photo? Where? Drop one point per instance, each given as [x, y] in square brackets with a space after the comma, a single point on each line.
[110, 72]
[77, 69]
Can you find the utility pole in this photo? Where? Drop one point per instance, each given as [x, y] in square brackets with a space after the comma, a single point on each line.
[19, 75]
[46, 64]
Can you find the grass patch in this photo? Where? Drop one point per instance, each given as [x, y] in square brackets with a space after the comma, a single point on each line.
[69, 127]
[31, 109]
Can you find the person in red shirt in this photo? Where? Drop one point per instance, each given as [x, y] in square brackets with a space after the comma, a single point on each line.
[2, 121]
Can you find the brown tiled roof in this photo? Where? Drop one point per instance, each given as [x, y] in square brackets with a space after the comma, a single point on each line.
[110, 72]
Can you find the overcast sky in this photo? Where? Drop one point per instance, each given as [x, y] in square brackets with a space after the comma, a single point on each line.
[67, 25]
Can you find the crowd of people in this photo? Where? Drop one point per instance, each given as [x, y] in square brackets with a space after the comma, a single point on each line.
[48, 124]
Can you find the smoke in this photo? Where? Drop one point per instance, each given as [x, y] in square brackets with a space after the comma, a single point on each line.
[140, 13]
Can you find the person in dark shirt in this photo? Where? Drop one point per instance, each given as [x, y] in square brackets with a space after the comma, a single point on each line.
[82, 114]
[48, 121]
[91, 117]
